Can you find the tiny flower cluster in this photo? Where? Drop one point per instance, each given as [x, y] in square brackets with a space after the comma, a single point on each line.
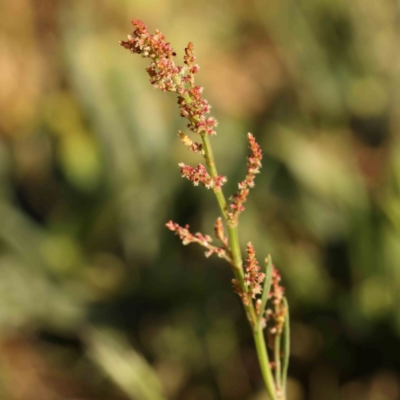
[253, 277]
[194, 146]
[200, 175]
[204, 240]
[162, 69]
[237, 288]
[219, 232]
[189, 58]
[253, 168]
[192, 105]
[277, 313]
[194, 108]
[167, 76]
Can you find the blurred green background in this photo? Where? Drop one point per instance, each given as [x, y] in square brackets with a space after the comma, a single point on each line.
[97, 299]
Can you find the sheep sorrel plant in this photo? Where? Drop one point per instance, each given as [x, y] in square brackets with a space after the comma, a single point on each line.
[260, 292]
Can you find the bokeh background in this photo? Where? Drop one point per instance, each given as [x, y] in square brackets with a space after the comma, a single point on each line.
[97, 299]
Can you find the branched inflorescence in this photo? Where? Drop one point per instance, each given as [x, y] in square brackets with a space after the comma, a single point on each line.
[203, 240]
[162, 69]
[253, 286]
[167, 76]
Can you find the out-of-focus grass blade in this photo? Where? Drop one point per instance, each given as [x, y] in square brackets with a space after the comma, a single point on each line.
[123, 364]
[266, 287]
[285, 345]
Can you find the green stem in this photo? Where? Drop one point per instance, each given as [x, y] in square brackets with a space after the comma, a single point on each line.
[277, 358]
[209, 157]
[264, 362]
[285, 346]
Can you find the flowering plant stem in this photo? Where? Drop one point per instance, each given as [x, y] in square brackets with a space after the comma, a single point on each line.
[249, 282]
[237, 267]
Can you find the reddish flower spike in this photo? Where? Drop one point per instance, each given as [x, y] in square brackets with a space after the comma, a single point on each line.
[167, 76]
[200, 175]
[253, 278]
[253, 168]
[277, 313]
[203, 240]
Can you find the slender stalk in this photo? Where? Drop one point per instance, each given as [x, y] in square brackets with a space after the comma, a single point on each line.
[277, 359]
[285, 346]
[263, 360]
[209, 157]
